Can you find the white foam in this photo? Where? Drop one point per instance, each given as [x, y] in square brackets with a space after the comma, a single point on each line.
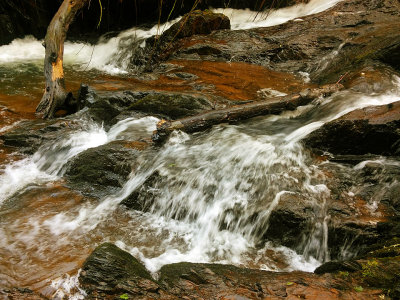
[113, 55]
[48, 163]
[246, 19]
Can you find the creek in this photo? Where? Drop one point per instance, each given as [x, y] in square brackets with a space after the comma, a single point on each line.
[214, 191]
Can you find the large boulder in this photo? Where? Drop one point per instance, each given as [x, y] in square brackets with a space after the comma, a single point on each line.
[374, 129]
[331, 43]
[101, 170]
[172, 105]
[112, 271]
[196, 22]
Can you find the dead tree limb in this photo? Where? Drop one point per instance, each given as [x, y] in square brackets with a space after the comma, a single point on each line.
[55, 96]
[242, 112]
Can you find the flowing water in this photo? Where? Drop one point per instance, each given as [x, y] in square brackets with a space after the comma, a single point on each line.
[206, 197]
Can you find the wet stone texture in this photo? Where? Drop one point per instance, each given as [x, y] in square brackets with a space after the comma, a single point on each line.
[101, 170]
[371, 130]
[110, 273]
[331, 43]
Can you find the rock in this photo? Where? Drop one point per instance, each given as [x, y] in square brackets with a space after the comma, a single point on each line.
[196, 22]
[101, 170]
[172, 105]
[29, 136]
[214, 281]
[336, 266]
[20, 293]
[331, 43]
[112, 271]
[290, 220]
[143, 197]
[375, 129]
[7, 31]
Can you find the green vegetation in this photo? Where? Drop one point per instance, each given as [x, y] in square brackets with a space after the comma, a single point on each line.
[358, 289]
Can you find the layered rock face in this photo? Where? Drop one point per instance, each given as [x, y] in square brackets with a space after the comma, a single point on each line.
[109, 273]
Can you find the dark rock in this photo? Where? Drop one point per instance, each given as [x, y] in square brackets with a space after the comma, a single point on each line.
[112, 271]
[374, 129]
[290, 219]
[143, 197]
[336, 266]
[331, 43]
[29, 136]
[7, 31]
[172, 105]
[385, 248]
[101, 170]
[196, 22]
[183, 75]
[20, 293]
[109, 272]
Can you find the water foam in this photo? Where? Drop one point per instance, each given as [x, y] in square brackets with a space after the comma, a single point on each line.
[49, 162]
[113, 55]
[246, 19]
[215, 191]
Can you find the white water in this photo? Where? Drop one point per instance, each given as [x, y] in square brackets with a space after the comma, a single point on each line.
[48, 163]
[246, 19]
[223, 177]
[113, 55]
[216, 191]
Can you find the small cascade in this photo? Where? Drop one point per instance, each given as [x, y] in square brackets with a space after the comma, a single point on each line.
[48, 163]
[114, 55]
[209, 197]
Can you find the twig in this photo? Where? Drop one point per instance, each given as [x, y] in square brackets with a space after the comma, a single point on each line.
[341, 77]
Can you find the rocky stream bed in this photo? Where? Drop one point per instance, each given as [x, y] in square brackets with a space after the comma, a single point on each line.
[255, 163]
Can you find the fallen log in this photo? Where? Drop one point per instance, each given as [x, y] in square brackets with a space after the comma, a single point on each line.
[242, 112]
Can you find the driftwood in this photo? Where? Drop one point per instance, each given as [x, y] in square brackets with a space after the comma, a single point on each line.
[242, 112]
[55, 97]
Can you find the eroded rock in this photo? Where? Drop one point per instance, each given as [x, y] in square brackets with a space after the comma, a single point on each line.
[374, 129]
[101, 170]
[112, 271]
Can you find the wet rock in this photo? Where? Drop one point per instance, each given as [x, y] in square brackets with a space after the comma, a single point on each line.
[112, 271]
[290, 219]
[172, 105]
[374, 129]
[331, 44]
[143, 197]
[336, 266]
[29, 136]
[20, 293]
[7, 31]
[214, 281]
[101, 170]
[196, 22]
[104, 107]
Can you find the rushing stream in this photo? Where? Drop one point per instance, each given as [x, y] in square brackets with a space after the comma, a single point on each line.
[212, 195]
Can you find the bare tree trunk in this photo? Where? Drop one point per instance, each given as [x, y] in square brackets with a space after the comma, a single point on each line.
[54, 96]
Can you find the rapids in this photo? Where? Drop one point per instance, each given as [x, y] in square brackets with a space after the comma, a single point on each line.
[214, 193]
